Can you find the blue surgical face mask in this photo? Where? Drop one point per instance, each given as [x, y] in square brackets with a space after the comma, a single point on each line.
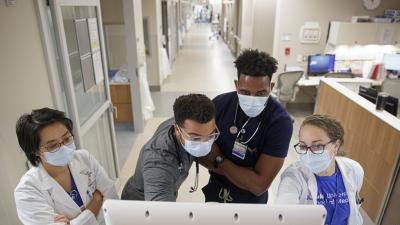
[252, 105]
[198, 148]
[317, 163]
[62, 156]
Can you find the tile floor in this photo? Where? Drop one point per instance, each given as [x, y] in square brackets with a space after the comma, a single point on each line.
[203, 66]
[125, 135]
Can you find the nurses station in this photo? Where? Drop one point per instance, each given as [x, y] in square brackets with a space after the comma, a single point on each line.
[276, 112]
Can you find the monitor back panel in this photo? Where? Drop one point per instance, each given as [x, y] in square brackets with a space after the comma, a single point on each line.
[119, 212]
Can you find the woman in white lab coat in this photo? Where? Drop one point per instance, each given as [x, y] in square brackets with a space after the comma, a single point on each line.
[65, 185]
[321, 177]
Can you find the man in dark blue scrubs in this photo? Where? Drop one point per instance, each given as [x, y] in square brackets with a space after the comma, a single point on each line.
[255, 131]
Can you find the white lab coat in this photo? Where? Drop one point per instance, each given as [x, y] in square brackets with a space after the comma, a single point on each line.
[38, 197]
[298, 183]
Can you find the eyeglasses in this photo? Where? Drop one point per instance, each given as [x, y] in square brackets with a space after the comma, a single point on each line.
[56, 146]
[214, 136]
[315, 149]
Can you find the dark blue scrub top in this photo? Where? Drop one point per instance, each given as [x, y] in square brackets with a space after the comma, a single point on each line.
[74, 194]
[273, 137]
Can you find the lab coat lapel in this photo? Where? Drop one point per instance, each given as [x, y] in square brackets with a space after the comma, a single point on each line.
[312, 186]
[57, 193]
[343, 170]
[80, 172]
[311, 182]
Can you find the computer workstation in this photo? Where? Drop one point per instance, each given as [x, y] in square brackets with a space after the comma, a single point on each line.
[323, 65]
[391, 64]
[319, 65]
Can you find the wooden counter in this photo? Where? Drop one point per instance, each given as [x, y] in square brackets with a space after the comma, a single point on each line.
[371, 137]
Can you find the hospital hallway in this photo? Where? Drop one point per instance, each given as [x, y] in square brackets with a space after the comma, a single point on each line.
[202, 66]
[85, 85]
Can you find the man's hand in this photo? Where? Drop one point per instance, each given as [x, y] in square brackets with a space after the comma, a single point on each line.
[208, 160]
[213, 153]
[61, 219]
[96, 203]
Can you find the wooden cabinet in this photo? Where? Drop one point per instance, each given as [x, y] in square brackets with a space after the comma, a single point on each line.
[346, 33]
[121, 100]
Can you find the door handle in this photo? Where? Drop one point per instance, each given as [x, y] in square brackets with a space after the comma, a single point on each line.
[115, 109]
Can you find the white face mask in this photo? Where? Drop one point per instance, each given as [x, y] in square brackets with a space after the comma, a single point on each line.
[317, 163]
[62, 156]
[198, 148]
[252, 105]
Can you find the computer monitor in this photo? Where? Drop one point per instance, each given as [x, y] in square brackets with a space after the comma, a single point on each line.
[124, 212]
[320, 64]
[371, 94]
[391, 62]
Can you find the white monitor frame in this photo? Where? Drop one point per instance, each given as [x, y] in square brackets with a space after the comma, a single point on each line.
[391, 61]
[123, 212]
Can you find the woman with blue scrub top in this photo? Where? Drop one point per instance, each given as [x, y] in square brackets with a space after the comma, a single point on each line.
[321, 177]
[64, 185]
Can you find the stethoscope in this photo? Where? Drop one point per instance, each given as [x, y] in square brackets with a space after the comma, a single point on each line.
[234, 129]
[180, 163]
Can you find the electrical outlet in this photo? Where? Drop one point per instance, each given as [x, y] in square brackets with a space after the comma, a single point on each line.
[299, 58]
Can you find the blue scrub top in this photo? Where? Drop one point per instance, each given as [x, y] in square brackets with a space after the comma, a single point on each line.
[272, 138]
[74, 194]
[333, 196]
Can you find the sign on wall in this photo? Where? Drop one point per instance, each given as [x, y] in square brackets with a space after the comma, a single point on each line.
[95, 49]
[89, 52]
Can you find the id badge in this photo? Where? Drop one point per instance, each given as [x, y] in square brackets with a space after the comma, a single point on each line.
[239, 150]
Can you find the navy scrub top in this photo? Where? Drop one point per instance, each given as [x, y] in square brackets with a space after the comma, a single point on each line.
[272, 138]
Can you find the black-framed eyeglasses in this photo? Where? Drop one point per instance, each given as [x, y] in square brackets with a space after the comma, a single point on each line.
[315, 149]
[56, 146]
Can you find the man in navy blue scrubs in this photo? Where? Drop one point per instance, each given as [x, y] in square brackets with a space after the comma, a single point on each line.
[255, 131]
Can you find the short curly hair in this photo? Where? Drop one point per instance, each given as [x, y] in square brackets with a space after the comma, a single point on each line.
[195, 107]
[330, 125]
[255, 63]
[29, 126]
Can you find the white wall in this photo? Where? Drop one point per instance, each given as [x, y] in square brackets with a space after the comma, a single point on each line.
[292, 14]
[24, 86]
[217, 8]
[246, 23]
[111, 11]
[152, 11]
[232, 14]
[263, 24]
[114, 31]
[172, 31]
